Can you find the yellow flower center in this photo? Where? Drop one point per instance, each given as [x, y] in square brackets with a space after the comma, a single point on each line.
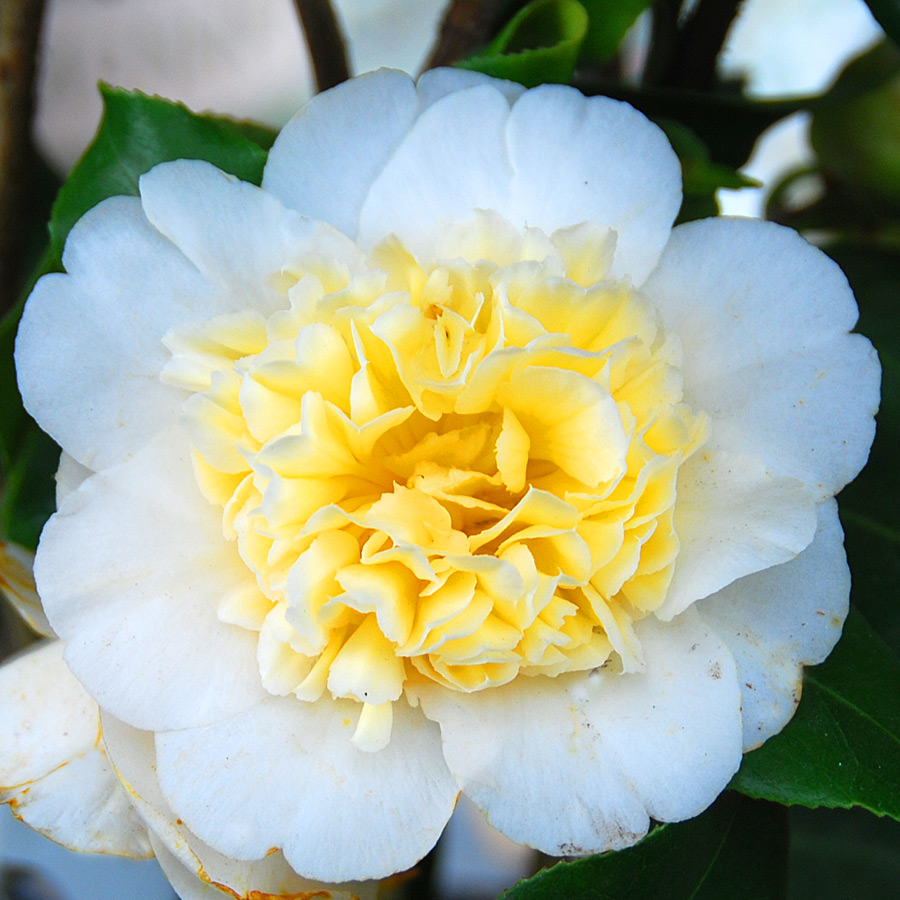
[462, 471]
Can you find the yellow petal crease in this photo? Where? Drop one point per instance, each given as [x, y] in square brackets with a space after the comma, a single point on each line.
[446, 470]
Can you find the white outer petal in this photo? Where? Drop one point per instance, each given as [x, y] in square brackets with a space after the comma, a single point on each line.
[285, 774]
[452, 161]
[46, 717]
[195, 869]
[187, 885]
[69, 476]
[53, 771]
[554, 159]
[578, 764]
[325, 159]
[763, 319]
[777, 621]
[238, 235]
[190, 886]
[733, 518]
[130, 570]
[437, 83]
[89, 351]
[83, 806]
[579, 159]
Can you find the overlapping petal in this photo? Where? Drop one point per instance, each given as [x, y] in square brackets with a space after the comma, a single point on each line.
[136, 602]
[54, 772]
[779, 620]
[584, 169]
[383, 810]
[437, 463]
[605, 752]
[195, 868]
[239, 236]
[764, 319]
[98, 329]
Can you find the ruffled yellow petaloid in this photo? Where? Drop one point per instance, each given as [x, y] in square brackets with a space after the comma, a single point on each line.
[462, 471]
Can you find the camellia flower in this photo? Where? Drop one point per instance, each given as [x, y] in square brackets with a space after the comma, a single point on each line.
[441, 463]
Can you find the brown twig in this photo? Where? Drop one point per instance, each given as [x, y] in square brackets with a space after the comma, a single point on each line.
[467, 26]
[325, 42]
[663, 35]
[693, 61]
[20, 23]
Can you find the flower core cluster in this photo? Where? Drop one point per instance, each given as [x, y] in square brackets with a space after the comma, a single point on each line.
[430, 466]
[462, 471]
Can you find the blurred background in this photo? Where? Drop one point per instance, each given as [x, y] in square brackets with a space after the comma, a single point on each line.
[248, 59]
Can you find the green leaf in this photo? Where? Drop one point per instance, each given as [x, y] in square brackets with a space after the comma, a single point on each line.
[136, 133]
[609, 23]
[842, 748]
[29, 495]
[726, 123]
[701, 177]
[837, 854]
[12, 415]
[28, 458]
[736, 850]
[887, 14]
[869, 507]
[541, 43]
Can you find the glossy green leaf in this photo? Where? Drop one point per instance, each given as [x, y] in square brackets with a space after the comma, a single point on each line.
[736, 850]
[842, 748]
[28, 458]
[42, 187]
[12, 416]
[700, 177]
[842, 854]
[869, 506]
[727, 124]
[609, 23]
[29, 494]
[136, 133]
[541, 43]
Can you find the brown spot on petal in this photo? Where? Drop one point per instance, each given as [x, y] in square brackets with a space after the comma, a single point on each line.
[305, 895]
[715, 670]
[570, 849]
[263, 895]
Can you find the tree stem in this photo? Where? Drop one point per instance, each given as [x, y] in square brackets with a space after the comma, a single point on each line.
[663, 35]
[325, 42]
[469, 25]
[692, 65]
[20, 24]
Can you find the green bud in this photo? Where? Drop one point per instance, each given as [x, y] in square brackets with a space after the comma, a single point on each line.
[856, 130]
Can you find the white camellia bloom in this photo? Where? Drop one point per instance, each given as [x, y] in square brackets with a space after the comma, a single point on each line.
[439, 463]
